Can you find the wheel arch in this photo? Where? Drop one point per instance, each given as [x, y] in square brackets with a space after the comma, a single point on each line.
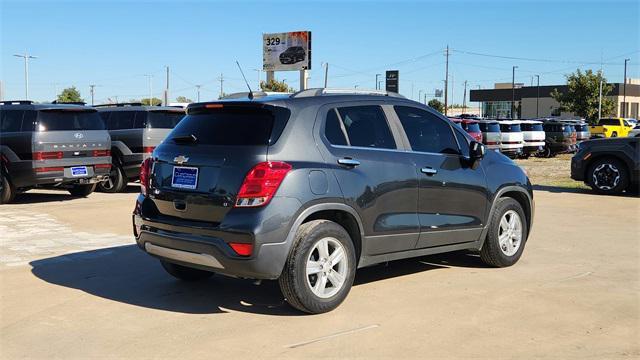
[519, 194]
[613, 155]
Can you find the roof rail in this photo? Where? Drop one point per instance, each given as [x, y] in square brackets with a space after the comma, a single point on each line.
[119, 104]
[16, 102]
[329, 91]
[69, 102]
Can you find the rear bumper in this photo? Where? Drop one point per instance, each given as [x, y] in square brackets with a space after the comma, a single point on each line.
[23, 175]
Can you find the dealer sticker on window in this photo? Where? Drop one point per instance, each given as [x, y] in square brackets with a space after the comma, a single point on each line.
[184, 177]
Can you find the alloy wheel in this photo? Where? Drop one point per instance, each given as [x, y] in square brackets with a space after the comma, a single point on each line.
[510, 233]
[606, 176]
[327, 267]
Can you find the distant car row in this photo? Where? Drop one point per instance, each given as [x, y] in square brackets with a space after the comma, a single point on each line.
[76, 147]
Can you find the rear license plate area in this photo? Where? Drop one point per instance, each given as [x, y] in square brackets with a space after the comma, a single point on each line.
[184, 177]
[79, 171]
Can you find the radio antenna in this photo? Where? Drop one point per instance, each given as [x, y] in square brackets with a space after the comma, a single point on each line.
[245, 80]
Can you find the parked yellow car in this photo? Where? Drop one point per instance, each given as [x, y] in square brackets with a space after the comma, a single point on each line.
[611, 127]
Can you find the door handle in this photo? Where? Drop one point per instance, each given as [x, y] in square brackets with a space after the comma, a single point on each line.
[348, 162]
[429, 171]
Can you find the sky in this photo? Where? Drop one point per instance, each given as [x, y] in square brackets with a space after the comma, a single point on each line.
[113, 45]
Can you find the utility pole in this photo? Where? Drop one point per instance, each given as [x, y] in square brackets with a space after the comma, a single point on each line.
[326, 74]
[150, 77]
[538, 97]
[259, 78]
[198, 90]
[624, 90]
[26, 58]
[419, 94]
[92, 91]
[377, 81]
[479, 105]
[166, 89]
[446, 80]
[221, 79]
[513, 92]
[464, 98]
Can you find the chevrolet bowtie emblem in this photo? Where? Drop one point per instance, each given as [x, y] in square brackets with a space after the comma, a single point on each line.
[180, 159]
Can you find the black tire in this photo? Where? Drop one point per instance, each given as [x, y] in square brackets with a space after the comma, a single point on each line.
[82, 190]
[614, 134]
[8, 193]
[116, 183]
[491, 253]
[185, 273]
[294, 283]
[610, 168]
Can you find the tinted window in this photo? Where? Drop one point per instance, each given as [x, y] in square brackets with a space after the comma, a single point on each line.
[11, 120]
[367, 126]
[230, 127]
[531, 127]
[472, 127]
[490, 127]
[614, 122]
[510, 128]
[29, 120]
[162, 119]
[332, 129]
[463, 141]
[581, 127]
[427, 132]
[121, 120]
[69, 120]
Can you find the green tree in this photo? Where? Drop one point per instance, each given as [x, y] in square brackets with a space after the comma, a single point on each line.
[70, 94]
[436, 105]
[274, 85]
[183, 99]
[582, 95]
[154, 102]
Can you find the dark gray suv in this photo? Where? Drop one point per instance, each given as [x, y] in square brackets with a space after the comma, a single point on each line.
[51, 145]
[306, 188]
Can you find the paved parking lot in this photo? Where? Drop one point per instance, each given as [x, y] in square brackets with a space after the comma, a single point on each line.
[72, 285]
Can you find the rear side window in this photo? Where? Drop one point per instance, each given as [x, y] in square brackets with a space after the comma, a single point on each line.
[61, 120]
[233, 127]
[163, 119]
[427, 132]
[366, 126]
[119, 120]
[11, 120]
[510, 128]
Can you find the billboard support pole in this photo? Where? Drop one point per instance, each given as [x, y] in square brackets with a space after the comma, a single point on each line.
[303, 80]
[270, 76]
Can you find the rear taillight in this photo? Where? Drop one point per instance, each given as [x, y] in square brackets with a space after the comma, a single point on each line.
[145, 175]
[98, 153]
[261, 183]
[49, 169]
[51, 155]
[242, 249]
[102, 166]
[148, 149]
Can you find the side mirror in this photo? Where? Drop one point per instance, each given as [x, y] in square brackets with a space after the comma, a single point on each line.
[476, 150]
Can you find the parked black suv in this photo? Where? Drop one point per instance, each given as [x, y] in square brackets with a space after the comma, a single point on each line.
[560, 137]
[43, 145]
[135, 131]
[608, 166]
[305, 188]
[292, 55]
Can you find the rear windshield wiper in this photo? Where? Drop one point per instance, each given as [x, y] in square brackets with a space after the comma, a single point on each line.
[185, 139]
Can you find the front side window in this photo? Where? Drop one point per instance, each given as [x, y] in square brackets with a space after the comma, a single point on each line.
[427, 132]
[365, 126]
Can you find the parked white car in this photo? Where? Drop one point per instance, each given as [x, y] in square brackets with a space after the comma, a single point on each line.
[533, 135]
[512, 138]
[635, 132]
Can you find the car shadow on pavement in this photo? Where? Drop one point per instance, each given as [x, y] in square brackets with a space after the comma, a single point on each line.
[128, 275]
[39, 197]
[559, 189]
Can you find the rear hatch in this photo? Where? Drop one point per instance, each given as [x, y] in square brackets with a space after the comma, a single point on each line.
[66, 137]
[200, 166]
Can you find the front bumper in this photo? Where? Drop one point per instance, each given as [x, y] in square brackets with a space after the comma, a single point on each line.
[577, 170]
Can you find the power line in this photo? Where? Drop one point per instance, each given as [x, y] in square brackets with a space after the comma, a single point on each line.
[531, 59]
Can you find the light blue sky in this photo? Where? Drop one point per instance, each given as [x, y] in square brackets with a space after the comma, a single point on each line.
[113, 44]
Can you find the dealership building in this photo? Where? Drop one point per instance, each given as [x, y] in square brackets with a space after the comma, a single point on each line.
[533, 101]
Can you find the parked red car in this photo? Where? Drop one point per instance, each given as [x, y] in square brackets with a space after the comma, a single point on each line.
[470, 126]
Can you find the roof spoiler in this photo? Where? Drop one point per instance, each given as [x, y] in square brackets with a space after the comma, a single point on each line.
[120, 104]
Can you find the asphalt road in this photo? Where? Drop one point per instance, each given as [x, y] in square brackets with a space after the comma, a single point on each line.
[72, 285]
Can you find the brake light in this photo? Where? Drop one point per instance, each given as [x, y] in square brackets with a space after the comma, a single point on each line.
[148, 149]
[261, 183]
[102, 166]
[97, 153]
[242, 249]
[145, 175]
[49, 169]
[52, 155]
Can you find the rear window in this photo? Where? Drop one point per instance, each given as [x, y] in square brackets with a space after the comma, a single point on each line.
[233, 127]
[490, 127]
[531, 127]
[510, 128]
[163, 119]
[581, 127]
[471, 127]
[614, 122]
[61, 120]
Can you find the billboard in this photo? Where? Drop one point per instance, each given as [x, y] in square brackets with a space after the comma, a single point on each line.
[392, 81]
[286, 51]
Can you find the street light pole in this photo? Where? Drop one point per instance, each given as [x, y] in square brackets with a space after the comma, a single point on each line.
[538, 97]
[624, 89]
[150, 76]
[513, 91]
[198, 89]
[26, 58]
[377, 80]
